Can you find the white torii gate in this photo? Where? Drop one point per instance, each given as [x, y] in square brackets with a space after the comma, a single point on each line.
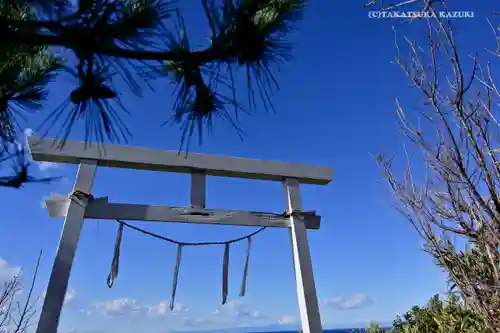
[89, 157]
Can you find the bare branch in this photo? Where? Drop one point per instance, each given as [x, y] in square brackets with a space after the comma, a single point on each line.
[16, 317]
[459, 195]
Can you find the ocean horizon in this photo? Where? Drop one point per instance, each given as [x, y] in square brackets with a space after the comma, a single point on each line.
[257, 330]
[345, 330]
[341, 330]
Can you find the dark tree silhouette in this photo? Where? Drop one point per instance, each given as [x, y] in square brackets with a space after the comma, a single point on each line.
[135, 41]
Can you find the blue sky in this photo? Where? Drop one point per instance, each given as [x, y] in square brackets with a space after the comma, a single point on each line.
[335, 107]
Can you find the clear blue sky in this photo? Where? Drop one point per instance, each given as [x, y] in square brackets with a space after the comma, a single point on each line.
[335, 107]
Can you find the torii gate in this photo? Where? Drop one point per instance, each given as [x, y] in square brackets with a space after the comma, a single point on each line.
[89, 157]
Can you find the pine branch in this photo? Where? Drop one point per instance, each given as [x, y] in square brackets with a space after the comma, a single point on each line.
[204, 56]
[20, 169]
[129, 38]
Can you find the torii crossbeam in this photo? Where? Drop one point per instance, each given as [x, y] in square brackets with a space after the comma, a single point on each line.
[89, 157]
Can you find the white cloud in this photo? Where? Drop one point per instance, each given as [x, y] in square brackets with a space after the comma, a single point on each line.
[286, 320]
[163, 308]
[348, 302]
[119, 307]
[85, 312]
[7, 272]
[68, 298]
[231, 315]
[129, 306]
[237, 309]
[198, 322]
[28, 132]
[43, 166]
[80, 330]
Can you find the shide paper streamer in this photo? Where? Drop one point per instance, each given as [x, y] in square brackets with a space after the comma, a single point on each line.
[113, 274]
[225, 273]
[225, 265]
[176, 275]
[245, 270]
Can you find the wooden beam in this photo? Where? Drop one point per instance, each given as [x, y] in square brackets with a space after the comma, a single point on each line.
[306, 289]
[101, 209]
[163, 160]
[198, 192]
[59, 276]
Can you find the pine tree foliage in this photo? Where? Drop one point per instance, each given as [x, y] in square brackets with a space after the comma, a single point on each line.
[447, 315]
[135, 41]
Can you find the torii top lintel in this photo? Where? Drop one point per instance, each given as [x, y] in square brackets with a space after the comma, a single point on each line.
[110, 155]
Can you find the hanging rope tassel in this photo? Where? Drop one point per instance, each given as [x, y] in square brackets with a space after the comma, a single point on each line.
[176, 275]
[245, 270]
[113, 274]
[225, 273]
[225, 266]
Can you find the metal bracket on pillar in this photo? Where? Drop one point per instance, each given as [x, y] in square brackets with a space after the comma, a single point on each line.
[198, 193]
[306, 289]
